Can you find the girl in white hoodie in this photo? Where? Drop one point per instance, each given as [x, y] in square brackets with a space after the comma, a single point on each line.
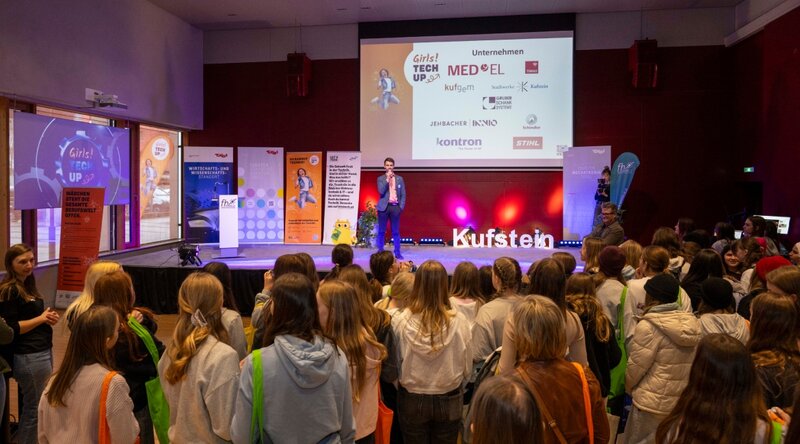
[433, 346]
[340, 317]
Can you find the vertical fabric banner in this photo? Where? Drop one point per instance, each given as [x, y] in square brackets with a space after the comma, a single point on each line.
[156, 152]
[81, 221]
[622, 176]
[582, 168]
[304, 198]
[261, 195]
[342, 184]
[207, 173]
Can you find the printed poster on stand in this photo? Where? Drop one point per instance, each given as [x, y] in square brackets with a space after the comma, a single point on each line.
[304, 198]
[342, 185]
[261, 195]
[81, 221]
[207, 173]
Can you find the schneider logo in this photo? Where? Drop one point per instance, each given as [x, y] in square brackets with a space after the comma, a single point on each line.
[459, 142]
[497, 102]
[530, 122]
[457, 87]
[528, 143]
[531, 67]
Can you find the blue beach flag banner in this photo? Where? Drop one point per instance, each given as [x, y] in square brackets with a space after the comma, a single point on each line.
[622, 176]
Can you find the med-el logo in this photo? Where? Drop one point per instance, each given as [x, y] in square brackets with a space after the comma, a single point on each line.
[229, 203]
[273, 152]
[530, 122]
[221, 155]
[497, 102]
[493, 69]
[528, 143]
[531, 67]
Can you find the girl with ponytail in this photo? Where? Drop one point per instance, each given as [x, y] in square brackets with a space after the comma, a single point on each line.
[199, 371]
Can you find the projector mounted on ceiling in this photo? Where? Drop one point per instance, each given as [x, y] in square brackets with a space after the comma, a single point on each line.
[102, 100]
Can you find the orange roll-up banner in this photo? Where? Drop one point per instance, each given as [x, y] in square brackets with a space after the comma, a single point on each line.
[81, 221]
[304, 198]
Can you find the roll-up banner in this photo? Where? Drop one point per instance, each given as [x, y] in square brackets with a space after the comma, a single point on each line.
[81, 221]
[304, 198]
[582, 168]
[207, 173]
[342, 184]
[261, 195]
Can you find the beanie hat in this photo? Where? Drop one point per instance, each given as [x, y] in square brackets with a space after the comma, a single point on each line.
[717, 293]
[663, 287]
[768, 264]
[611, 260]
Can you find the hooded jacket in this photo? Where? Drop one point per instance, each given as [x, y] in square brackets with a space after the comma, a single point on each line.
[432, 368]
[730, 324]
[307, 396]
[660, 356]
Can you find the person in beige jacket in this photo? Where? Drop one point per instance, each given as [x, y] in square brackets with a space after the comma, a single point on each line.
[659, 358]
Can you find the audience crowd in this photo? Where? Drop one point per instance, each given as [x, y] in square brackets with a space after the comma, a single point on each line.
[694, 338]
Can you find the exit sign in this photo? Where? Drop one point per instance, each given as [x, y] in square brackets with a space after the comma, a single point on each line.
[749, 169]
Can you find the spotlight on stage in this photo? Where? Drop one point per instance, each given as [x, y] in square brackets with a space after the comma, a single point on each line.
[569, 243]
[189, 254]
[431, 241]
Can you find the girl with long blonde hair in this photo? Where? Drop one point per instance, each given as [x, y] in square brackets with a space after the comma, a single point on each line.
[435, 359]
[341, 319]
[199, 372]
[86, 298]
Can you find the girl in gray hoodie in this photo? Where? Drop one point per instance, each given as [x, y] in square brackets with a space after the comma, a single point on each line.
[306, 384]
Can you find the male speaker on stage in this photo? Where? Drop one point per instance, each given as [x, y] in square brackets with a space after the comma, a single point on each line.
[392, 191]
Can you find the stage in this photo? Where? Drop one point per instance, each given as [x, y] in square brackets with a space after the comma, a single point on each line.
[157, 275]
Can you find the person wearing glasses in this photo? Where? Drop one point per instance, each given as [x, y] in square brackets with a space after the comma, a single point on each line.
[609, 228]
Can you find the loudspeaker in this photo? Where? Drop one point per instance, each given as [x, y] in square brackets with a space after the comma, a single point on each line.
[642, 63]
[298, 74]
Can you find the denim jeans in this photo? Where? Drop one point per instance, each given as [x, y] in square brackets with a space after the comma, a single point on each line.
[430, 418]
[31, 371]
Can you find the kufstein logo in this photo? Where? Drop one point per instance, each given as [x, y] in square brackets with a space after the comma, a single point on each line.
[525, 86]
[530, 122]
[492, 238]
[228, 203]
[528, 143]
[484, 122]
[493, 69]
[459, 88]
[497, 102]
[459, 142]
